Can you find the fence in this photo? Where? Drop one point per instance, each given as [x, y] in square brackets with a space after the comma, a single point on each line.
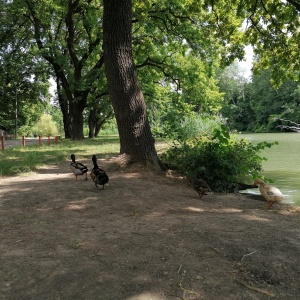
[37, 141]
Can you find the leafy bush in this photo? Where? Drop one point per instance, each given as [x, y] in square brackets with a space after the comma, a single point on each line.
[45, 126]
[221, 160]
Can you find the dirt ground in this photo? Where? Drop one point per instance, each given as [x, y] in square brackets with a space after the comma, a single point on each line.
[145, 237]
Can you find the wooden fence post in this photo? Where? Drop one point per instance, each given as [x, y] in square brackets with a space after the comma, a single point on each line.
[23, 140]
[48, 139]
[3, 142]
[40, 140]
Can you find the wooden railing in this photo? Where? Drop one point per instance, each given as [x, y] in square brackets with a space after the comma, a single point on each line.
[14, 143]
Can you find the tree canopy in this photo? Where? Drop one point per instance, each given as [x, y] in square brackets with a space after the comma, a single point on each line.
[177, 48]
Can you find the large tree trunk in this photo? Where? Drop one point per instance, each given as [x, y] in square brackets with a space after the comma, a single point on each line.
[91, 121]
[76, 116]
[64, 110]
[136, 141]
[72, 113]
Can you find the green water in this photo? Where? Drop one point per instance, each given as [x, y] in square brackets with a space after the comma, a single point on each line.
[283, 164]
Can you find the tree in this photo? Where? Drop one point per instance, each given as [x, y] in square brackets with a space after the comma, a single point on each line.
[236, 107]
[269, 104]
[23, 77]
[259, 107]
[67, 38]
[136, 140]
[273, 30]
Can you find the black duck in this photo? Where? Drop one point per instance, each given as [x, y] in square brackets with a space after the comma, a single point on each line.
[98, 175]
[201, 187]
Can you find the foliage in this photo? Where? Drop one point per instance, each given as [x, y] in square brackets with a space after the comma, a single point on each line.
[221, 160]
[236, 109]
[189, 127]
[257, 106]
[272, 27]
[45, 126]
[57, 117]
[23, 76]
[177, 46]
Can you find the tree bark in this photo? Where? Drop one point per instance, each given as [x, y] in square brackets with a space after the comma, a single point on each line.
[64, 110]
[136, 141]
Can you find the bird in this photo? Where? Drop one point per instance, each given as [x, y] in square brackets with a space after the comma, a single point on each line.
[271, 193]
[78, 168]
[201, 187]
[98, 175]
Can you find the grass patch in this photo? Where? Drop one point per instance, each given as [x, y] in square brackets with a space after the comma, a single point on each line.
[20, 160]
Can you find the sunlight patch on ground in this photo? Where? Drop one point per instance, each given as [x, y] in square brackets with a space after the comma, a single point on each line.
[218, 210]
[36, 177]
[79, 205]
[132, 175]
[255, 218]
[44, 209]
[48, 167]
[146, 296]
[227, 210]
[75, 206]
[194, 209]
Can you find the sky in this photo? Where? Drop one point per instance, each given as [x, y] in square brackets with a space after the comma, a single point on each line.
[247, 63]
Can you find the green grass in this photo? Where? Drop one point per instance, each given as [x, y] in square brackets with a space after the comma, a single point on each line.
[19, 160]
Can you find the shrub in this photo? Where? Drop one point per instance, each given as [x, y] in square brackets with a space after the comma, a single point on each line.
[189, 128]
[45, 126]
[221, 160]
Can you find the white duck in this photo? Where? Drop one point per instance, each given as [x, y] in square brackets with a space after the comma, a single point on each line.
[271, 193]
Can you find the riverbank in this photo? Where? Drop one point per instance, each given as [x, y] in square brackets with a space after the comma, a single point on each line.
[146, 236]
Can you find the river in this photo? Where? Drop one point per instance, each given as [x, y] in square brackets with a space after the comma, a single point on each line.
[283, 163]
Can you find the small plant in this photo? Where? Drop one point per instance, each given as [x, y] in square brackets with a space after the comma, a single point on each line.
[135, 211]
[75, 244]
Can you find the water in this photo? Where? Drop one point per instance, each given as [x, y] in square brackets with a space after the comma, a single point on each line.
[283, 164]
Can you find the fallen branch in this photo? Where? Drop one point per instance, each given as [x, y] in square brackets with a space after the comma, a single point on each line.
[295, 126]
[265, 292]
[248, 254]
[184, 291]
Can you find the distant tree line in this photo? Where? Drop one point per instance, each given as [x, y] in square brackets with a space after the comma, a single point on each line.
[255, 105]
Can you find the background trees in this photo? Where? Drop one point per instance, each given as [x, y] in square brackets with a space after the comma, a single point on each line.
[256, 105]
[273, 29]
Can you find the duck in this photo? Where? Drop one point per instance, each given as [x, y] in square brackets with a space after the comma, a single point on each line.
[78, 168]
[271, 193]
[201, 187]
[98, 175]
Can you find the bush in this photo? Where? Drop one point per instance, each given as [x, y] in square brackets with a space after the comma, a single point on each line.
[45, 126]
[189, 128]
[221, 160]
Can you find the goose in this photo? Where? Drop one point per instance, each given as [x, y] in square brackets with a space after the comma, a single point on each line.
[78, 168]
[98, 175]
[271, 193]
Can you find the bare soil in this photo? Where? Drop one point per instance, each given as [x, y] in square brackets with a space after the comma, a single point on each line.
[145, 236]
